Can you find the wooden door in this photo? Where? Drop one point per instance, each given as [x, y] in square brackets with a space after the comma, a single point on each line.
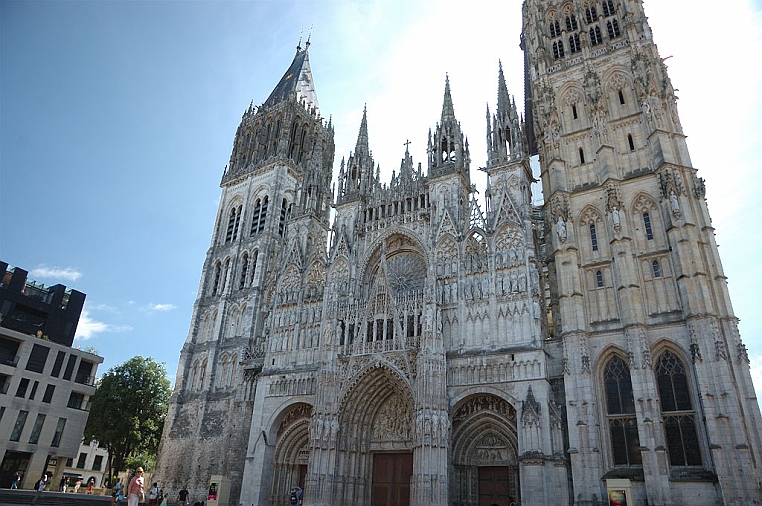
[494, 486]
[391, 479]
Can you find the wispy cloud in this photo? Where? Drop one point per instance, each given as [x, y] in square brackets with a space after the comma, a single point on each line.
[152, 308]
[42, 271]
[89, 327]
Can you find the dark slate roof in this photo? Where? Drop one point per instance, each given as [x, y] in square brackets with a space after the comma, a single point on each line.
[297, 78]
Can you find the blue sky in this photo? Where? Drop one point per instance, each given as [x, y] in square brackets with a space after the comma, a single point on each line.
[117, 119]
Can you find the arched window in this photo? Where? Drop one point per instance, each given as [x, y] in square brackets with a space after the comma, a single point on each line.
[591, 15]
[558, 49]
[574, 45]
[630, 141]
[656, 268]
[555, 28]
[244, 268]
[237, 222]
[282, 222]
[263, 215]
[202, 375]
[677, 411]
[608, 8]
[647, 224]
[620, 414]
[613, 28]
[574, 111]
[194, 376]
[231, 226]
[595, 36]
[593, 237]
[621, 97]
[217, 274]
[581, 156]
[254, 265]
[571, 22]
[599, 279]
[255, 217]
[224, 277]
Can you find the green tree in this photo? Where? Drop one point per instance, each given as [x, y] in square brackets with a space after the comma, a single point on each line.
[128, 410]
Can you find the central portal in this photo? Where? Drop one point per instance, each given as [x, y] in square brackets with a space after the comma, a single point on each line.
[495, 485]
[391, 479]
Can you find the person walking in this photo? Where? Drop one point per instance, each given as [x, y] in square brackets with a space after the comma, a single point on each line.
[39, 486]
[135, 491]
[16, 480]
[153, 493]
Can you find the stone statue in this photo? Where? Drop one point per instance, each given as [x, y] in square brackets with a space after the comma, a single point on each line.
[561, 228]
[615, 217]
[673, 202]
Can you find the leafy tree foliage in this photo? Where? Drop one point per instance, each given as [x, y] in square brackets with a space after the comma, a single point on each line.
[128, 410]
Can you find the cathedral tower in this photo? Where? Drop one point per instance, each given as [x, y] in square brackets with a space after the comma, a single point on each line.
[274, 204]
[658, 391]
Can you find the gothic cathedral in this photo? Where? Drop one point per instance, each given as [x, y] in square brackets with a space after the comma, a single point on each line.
[398, 342]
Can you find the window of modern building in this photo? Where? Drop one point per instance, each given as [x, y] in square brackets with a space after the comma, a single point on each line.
[5, 382]
[37, 429]
[21, 389]
[34, 390]
[59, 432]
[70, 367]
[37, 358]
[48, 395]
[75, 400]
[18, 427]
[620, 414]
[84, 373]
[58, 364]
[677, 411]
[647, 224]
[97, 462]
[81, 460]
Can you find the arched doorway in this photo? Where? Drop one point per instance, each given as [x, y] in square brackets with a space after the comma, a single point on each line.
[375, 459]
[484, 453]
[291, 453]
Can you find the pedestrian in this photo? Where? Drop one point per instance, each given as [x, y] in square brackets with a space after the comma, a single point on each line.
[135, 492]
[39, 486]
[116, 491]
[153, 494]
[77, 484]
[183, 496]
[63, 484]
[16, 480]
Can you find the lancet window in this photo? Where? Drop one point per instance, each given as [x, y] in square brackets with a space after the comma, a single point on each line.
[677, 411]
[620, 414]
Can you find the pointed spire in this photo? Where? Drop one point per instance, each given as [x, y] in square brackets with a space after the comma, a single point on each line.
[448, 111]
[503, 98]
[361, 148]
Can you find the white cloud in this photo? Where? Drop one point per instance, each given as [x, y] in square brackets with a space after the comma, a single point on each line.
[88, 327]
[42, 271]
[159, 307]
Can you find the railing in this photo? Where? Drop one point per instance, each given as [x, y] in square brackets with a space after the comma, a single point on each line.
[8, 360]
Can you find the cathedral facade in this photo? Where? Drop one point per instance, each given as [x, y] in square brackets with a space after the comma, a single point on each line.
[417, 346]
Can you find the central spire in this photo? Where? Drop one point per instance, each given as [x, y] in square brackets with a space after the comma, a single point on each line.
[297, 79]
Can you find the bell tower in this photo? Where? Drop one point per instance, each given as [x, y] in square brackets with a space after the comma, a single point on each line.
[638, 295]
[274, 204]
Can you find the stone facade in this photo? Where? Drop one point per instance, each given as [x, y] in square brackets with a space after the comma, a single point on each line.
[446, 351]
